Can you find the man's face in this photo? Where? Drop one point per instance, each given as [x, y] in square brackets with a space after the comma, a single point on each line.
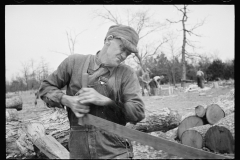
[115, 54]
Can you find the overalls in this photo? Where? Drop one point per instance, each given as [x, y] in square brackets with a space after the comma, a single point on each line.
[89, 142]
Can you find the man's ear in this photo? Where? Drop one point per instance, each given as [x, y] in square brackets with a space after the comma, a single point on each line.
[108, 39]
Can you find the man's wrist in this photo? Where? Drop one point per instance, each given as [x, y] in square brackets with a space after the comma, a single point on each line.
[64, 100]
[109, 102]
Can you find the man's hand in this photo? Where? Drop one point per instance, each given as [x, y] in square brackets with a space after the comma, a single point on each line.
[73, 102]
[90, 95]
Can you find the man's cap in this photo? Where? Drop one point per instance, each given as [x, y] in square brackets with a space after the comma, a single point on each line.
[127, 34]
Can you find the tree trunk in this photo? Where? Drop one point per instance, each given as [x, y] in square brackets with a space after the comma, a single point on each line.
[164, 120]
[14, 102]
[194, 137]
[214, 113]
[221, 137]
[189, 122]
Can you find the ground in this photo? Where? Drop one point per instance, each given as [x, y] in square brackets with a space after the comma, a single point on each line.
[183, 102]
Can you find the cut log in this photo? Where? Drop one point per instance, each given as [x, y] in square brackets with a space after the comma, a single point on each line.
[214, 113]
[221, 137]
[194, 137]
[200, 111]
[189, 122]
[162, 120]
[172, 133]
[228, 122]
[14, 103]
[46, 143]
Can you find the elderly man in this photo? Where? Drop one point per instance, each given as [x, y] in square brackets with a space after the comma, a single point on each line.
[113, 93]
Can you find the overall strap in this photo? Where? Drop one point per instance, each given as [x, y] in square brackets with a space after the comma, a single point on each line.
[86, 65]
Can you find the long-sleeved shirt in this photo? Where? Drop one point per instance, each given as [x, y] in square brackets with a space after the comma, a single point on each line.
[126, 88]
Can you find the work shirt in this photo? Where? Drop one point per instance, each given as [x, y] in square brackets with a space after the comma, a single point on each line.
[123, 88]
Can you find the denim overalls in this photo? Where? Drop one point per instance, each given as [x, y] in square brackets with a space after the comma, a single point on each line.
[89, 142]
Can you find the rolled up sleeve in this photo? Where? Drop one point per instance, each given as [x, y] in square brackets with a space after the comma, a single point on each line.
[50, 89]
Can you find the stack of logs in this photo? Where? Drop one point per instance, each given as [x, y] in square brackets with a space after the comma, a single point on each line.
[210, 127]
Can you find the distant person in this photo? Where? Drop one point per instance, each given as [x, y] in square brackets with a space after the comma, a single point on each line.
[155, 84]
[200, 78]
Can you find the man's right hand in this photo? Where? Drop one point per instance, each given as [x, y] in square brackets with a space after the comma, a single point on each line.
[73, 102]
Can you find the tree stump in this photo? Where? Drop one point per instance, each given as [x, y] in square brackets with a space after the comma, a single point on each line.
[189, 122]
[194, 137]
[220, 137]
[214, 113]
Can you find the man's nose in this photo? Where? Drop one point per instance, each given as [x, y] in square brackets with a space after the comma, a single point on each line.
[124, 55]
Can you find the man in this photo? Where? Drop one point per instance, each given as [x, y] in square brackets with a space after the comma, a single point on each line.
[113, 93]
[144, 80]
[200, 78]
[155, 84]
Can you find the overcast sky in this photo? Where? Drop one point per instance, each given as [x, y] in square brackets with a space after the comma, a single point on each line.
[35, 31]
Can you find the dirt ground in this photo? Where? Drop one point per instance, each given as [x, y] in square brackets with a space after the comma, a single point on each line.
[183, 102]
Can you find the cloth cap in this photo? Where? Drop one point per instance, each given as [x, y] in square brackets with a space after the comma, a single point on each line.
[127, 34]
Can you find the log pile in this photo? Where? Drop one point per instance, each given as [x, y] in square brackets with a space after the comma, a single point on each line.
[216, 133]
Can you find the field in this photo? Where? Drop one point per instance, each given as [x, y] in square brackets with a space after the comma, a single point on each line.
[183, 102]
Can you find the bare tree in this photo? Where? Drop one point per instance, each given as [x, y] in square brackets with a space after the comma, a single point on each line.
[144, 26]
[72, 41]
[186, 41]
[25, 72]
[174, 52]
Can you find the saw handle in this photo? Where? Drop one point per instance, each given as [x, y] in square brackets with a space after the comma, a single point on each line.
[84, 85]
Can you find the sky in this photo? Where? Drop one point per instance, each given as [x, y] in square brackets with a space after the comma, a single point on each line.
[39, 31]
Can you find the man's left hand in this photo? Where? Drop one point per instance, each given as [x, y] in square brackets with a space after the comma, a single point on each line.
[90, 95]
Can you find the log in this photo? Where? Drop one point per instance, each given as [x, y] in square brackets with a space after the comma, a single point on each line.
[11, 115]
[14, 102]
[161, 120]
[188, 122]
[194, 137]
[221, 138]
[46, 143]
[200, 111]
[10, 94]
[214, 113]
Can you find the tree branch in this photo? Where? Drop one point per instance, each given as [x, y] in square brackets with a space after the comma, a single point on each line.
[114, 19]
